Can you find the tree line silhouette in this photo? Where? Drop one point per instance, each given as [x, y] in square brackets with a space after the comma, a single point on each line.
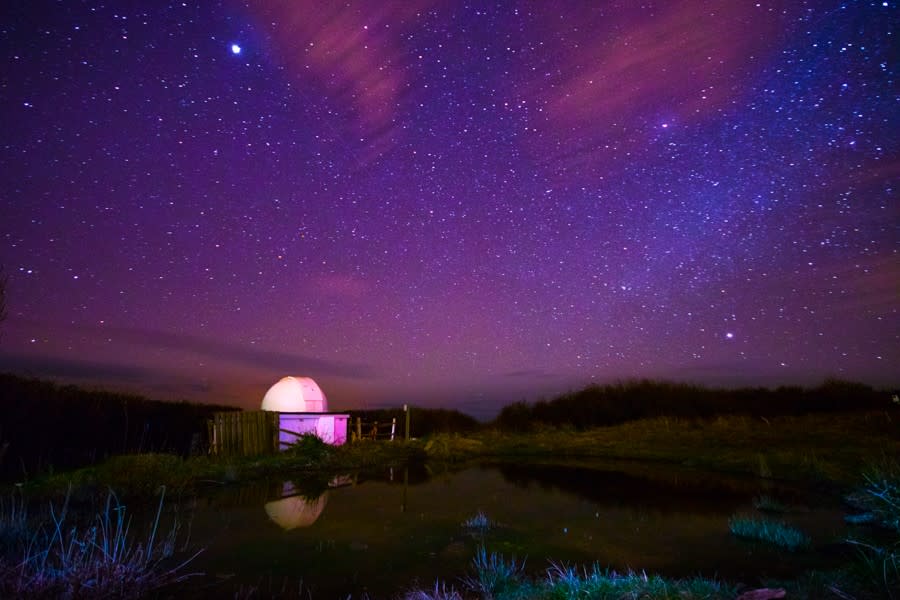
[46, 426]
[602, 405]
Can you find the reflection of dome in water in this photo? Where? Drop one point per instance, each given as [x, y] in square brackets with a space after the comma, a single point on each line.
[296, 511]
[295, 394]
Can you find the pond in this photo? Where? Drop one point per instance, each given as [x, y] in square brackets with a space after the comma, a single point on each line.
[379, 535]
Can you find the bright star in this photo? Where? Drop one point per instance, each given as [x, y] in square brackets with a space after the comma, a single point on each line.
[729, 335]
[235, 49]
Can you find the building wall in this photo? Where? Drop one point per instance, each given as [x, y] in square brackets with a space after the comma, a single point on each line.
[330, 428]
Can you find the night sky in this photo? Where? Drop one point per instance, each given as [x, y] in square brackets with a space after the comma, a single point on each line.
[457, 204]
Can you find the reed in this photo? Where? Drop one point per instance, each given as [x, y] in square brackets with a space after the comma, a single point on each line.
[440, 591]
[478, 522]
[61, 560]
[568, 583]
[878, 562]
[493, 575]
[497, 578]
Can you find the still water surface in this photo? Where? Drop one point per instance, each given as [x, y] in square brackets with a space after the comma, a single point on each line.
[381, 534]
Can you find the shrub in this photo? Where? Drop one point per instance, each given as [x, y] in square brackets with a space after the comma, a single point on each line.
[311, 447]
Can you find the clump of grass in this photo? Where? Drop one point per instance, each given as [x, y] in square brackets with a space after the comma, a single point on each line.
[773, 532]
[878, 566]
[103, 560]
[769, 504]
[494, 575]
[14, 531]
[440, 592]
[497, 578]
[882, 490]
[453, 447]
[478, 522]
[565, 582]
[272, 589]
[131, 475]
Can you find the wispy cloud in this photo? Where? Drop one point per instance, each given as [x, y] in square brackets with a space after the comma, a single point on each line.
[55, 367]
[633, 68]
[153, 382]
[343, 286]
[530, 374]
[215, 350]
[355, 49]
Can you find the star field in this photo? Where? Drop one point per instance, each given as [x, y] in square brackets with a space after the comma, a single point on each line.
[456, 204]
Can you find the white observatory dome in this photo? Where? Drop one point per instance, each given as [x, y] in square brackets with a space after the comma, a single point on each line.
[295, 394]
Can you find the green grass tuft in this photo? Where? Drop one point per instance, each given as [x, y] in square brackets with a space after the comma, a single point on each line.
[499, 579]
[439, 592]
[878, 563]
[493, 575]
[478, 522]
[773, 532]
[566, 583]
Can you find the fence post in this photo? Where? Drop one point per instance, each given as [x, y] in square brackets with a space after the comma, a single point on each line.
[406, 410]
[211, 435]
[358, 429]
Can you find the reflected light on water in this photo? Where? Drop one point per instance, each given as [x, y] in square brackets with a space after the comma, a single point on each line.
[296, 511]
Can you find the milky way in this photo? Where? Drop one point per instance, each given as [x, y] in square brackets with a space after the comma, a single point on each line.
[457, 204]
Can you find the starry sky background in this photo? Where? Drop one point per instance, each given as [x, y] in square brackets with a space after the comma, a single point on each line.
[457, 204]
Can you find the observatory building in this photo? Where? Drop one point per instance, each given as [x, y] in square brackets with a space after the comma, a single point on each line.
[303, 409]
[295, 395]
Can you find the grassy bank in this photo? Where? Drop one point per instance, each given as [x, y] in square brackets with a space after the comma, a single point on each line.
[833, 448]
[140, 475]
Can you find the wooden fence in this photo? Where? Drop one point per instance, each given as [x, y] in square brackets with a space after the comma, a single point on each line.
[373, 430]
[246, 433]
